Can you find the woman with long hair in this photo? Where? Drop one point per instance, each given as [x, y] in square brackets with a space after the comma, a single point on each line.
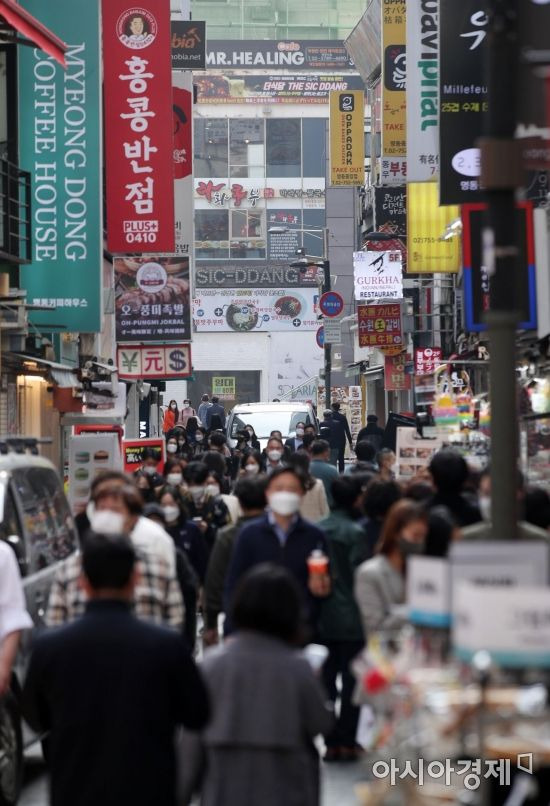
[170, 417]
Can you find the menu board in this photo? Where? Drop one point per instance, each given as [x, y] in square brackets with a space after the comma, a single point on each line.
[89, 456]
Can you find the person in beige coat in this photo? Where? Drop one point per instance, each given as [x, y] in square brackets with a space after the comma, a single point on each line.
[314, 506]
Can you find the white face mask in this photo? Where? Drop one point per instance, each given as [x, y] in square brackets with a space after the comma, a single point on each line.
[199, 437]
[284, 503]
[107, 522]
[485, 507]
[171, 513]
[275, 456]
[299, 432]
[90, 509]
[173, 406]
[171, 448]
[253, 470]
[213, 489]
[149, 470]
[197, 493]
[175, 479]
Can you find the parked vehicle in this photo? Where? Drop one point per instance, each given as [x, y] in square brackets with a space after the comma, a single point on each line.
[35, 520]
[268, 417]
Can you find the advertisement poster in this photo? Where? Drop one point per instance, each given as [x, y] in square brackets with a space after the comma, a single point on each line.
[89, 456]
[476, 275]
[390, 217]
[132, 453]
[135, 361]
[273, 89]
[282, 54]
[347, 139]
[253, 275]
[259, 309]
[60, 144]
[152, 299]
[182, 97]
[138, 143]
[377, 274]
[422, 91]
[380, 325]
[427, 360]
[395, 377]
[427, 224]
[463, 99]
[351, 404]
[188, 43]
[414, 453]
[224, 387]
[394, 78]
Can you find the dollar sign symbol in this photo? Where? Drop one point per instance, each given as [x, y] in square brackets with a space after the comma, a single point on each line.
[177, 361]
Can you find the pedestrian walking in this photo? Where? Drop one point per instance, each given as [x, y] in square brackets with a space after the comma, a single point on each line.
[321, 467]
[314, 505]
[449, 471]
[171, 416]
[275, 451]
[385, 459]
[267, 704]
[203, 408]
[110, 691]
[215, 410]
[186, 412]
[372, 433]
[333, 432]
[295, 443]
[338, 417]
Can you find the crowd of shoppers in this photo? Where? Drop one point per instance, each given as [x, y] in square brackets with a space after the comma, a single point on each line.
[271, 548]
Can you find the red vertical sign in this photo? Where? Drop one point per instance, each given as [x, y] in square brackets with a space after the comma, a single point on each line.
[138, 136]
[395, 377]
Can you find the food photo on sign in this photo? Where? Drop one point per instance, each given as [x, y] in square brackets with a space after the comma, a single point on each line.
[152, 298]
[257, 309]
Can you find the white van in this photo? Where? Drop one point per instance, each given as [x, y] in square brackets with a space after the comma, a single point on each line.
[268, 417]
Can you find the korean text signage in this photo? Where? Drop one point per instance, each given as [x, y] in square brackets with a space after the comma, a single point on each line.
[273, 89]
[422, 90]
[426, 360]
[476, 274]
[250, 275]
[377, 274]
[331, 304]
[152, 299]
[224, 387]
[380, 325]
[188, 45]
[283, 54]
[60, 143]
[139, 143]
[257, 309]
[427, 223]
[462, 97]
[394, 78]
[395, 377]
[132, 452]
[135, 361]
[347, 139]
[390, 217]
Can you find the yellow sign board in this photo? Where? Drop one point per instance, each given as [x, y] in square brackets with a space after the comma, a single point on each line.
[427, 224]
[394, 74]
[347, 138]
[223, 387]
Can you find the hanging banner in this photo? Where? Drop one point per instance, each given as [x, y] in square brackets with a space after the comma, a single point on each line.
[216, 310]
[395, 377]
[427, 225]
[380, 325]
[476, 274]
[378, 274]
[394, 78]
[273, 89]
[182, 97]
[427, 360]
[463, 99]
[135, 361]
[390, 217]
[139, 143]
[152, 299]
[347, 138]
[422, 90]
[60, 144]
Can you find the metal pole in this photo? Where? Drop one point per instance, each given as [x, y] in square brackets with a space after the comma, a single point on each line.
[499, 178]
[328, 347]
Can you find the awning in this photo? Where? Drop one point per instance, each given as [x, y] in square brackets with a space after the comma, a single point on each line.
[61, 374]
[23, 22]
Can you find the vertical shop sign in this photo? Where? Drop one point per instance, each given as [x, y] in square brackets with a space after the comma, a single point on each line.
[380, 325]
[60, 142]
[432, 243]
[394, 78]
[377, 274]
[139, 143]
[427, 360]
[347, 138]
[182, 96]
[422, 90]
[463, 99]
[395, 377]
[390, 217]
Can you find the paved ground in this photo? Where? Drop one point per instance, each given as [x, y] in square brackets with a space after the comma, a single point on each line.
[338, 787]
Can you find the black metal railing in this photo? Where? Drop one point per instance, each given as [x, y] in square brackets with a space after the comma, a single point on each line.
[15, 214]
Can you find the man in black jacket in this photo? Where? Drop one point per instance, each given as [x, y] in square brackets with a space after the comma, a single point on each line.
[338, 417]
[111, 689]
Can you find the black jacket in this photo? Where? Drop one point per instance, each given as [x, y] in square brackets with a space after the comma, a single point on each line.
[341, 418]
[373, 434]
[333, 431]
[111, 690]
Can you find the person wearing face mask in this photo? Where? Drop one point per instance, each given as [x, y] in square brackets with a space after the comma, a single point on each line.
[253, 441]
[295, 443]
[145, 487]
[117, 509]
[199, 443]
[170, 417]
[274, 454]
[251, 465]
[214, 488]
[281, 536]
[386, 461]
[186, 412]
[380, 581]
[173, 474]
[208, 512]
[149, 465]
[186, 535]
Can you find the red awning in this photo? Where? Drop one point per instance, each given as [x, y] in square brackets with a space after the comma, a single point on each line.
[20, 19]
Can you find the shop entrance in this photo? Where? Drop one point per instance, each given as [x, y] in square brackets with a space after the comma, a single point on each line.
[231, 387]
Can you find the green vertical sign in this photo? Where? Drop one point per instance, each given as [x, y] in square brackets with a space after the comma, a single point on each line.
[60, 144]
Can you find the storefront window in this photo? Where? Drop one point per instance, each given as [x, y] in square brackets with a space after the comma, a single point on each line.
[246, 148]
[284, 148]
[211, 148]
[314, 146]
[212, 233]
[247, 234]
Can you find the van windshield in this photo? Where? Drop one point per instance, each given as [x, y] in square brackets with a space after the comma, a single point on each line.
[264, 422]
